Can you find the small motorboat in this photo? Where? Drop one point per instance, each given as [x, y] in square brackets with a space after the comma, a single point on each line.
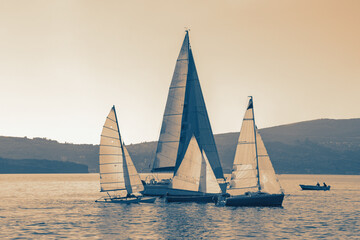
[315, 187]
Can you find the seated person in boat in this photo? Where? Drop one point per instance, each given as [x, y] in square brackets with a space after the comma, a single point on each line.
[325, 185]
[318, 184]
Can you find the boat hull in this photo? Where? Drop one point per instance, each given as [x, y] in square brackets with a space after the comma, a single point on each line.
[192, 198]
[256, 200]
[147, 199]
[161, 189]
[156, 189]
[315, 188]
[128, 200]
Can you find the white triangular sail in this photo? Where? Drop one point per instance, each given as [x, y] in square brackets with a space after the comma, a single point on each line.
[117, 171]
[132, 178]
[187, 176]
[268, 179]
[195, 172]
[252, 165]
[208, 182]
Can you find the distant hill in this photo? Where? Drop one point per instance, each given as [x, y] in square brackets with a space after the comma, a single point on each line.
[42, 148]
[322, 146]
[335, 134]
[40, 166]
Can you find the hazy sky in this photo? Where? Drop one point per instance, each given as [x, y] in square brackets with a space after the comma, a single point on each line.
[63, 64]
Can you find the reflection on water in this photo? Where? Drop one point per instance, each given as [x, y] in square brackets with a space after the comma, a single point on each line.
[62, 206]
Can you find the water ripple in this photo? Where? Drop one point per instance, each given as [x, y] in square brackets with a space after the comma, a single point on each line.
[58, 208]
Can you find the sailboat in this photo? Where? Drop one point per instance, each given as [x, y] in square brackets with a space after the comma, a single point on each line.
[194, 180]
[118, 175]
[253, 179]
[185, 116]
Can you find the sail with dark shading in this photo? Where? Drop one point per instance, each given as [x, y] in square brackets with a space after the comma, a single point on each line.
[185, 116]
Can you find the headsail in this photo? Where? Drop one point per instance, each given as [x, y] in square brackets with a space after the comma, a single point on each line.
[268, 180]
[185, 116]
[252, 168]
[188, 174]
[208, 182]
[132, 179]
[195, 173]
[117, 172]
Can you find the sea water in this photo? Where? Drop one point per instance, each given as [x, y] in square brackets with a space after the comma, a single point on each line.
[55, 206]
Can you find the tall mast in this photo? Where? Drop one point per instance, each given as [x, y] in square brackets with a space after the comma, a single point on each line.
[121, 144]
[117, 124]
[256, 149]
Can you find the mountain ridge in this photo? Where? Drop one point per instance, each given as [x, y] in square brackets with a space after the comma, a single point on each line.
[322, 146]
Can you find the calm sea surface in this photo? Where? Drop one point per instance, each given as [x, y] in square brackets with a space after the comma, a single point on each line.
[43, 206]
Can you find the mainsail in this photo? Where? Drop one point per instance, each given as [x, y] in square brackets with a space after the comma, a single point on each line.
[195, 173]
[252, 168]
[185, 116]
[117, 171]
